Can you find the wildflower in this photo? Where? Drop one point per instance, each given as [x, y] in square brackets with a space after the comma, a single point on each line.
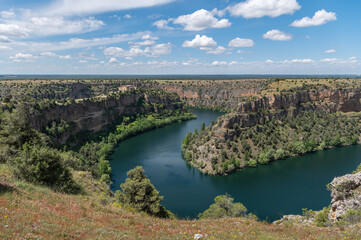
[198, 236]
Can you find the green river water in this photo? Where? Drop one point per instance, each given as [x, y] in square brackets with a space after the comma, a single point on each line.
[269, 191]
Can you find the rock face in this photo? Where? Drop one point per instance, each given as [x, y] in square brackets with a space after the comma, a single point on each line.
[291, 104]
[93, 115]
[346, 195]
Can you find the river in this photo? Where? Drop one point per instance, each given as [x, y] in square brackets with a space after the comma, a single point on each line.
[269, 191]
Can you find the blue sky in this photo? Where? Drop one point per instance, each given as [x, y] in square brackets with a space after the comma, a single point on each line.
[180, 37]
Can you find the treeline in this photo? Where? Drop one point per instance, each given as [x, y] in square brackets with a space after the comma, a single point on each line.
[274, 140]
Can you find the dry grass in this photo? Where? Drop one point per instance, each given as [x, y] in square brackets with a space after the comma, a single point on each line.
[32, 212]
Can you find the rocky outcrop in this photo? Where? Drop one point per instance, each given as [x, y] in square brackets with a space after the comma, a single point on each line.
[291, 104]
[343, 100]
[346, 195]
[94, 114]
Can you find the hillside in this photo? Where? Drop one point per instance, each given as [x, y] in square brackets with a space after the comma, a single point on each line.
[32, 212]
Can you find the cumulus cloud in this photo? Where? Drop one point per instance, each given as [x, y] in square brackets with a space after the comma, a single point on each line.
[277, 35]
[200, 42]
[83, 7]
[261, 8]
[219, 63]
[48, 54]
[162, 24]
[217, 51]
[200, 20]
[136, 51]
[22, 57]
[239, 42]
[127, 16]
[321, 17]
[330, 51]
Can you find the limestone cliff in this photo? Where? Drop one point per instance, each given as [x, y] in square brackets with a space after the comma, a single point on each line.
[346, 195]
[94, 114]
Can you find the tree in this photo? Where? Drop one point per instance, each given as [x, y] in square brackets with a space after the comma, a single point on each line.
[224, 207]
[44, 166]
[203, 127]
[138, 193]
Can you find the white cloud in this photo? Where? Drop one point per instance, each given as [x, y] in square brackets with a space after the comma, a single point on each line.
[143, 43]
[65, 57]
[269, 61]
[7, 14]
[136, 51]
[261, 8]
[4, 39]
[5, 48]
[83, 7]
[45, 26]
[200, 42]
[321, 17]
[21, 57]
[48, 54]
[127, 16]
[30, 24]
[200, 20]
[239, 42]
[219, 50]
[149, 37]
[350, 60]
[306, 60]
[330, 51]
[219, 63]
[13, 30]
[74, 43]
[113, 60]
[277, 35]
[162, 24]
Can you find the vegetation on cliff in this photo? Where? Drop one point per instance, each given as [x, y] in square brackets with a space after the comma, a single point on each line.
[273, 140]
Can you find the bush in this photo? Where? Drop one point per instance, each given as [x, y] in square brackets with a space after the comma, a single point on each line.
[321, 218]
[44, 166]
[224, 207]
[139, 194]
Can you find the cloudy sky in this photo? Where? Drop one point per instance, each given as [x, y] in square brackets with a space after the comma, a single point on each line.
[180, 37]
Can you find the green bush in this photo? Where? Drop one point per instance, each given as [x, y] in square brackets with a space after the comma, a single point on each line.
[224, 207]
[321, 218]
[139, 194]
[44, 166]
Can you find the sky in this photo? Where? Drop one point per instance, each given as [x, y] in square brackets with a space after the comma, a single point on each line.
[180, 37]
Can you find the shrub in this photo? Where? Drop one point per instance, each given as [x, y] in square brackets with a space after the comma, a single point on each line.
[139, 194]
[321, 218]
[45, 166]
[224, 207]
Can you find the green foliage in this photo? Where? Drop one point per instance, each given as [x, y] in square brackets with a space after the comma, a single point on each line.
[321, 218]
[352, 216]
[308, 213]
[222, 207]
[139, 194]
[45, 166]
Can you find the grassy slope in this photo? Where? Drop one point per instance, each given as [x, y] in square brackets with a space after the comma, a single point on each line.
[32, 212]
